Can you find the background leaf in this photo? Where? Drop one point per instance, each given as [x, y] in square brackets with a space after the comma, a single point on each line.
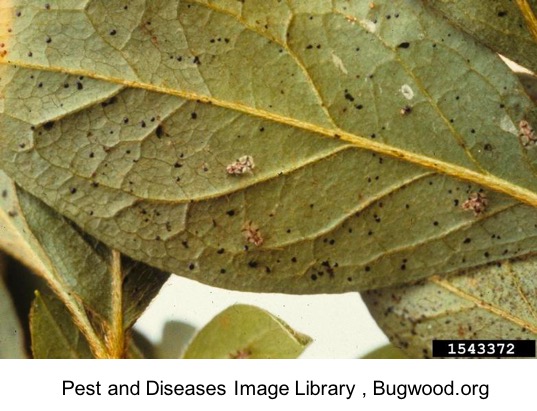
[54, 335]
[387, 352]
[104, 293]
[244, 331]
[11, 331]
[500, 24]
[131, 116]
[495, 302]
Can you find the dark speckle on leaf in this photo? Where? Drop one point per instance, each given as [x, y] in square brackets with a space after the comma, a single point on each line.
[404, 45]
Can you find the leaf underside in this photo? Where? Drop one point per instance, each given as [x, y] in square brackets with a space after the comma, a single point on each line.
[246, 332]
[500, 24]
[11, 330]
[493, 304]
[124, 118]
[103, 292]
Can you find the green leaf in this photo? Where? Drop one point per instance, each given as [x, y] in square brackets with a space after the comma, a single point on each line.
[103, 292]
[11, 331]
[244, 331]
[54, 335]
[387, 352]
[495, 302]
[128, 119]
[529, 81]
[508, 27]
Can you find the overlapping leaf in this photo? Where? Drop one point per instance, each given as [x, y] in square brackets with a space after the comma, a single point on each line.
[246, 332]
[508, 27]
[124, 117]
[11, 331]
[493, 303]
[103, 292]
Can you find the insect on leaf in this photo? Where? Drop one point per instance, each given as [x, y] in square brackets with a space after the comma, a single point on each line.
[125, 119]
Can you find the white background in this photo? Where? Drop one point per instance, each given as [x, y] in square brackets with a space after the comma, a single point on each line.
[340, 325]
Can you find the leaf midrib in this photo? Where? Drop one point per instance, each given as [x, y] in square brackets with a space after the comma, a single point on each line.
[489, 181]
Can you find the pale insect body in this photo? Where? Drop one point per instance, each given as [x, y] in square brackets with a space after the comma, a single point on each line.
[243, 165]
[252, 234]
[476, 202]
[526, 134]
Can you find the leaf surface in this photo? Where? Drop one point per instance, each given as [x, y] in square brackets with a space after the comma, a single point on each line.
[125, 119]
[246, 332]
[492, 303]
[54, 335]
[507, 27]
[387, 352]
[104, 293]
[11, 331]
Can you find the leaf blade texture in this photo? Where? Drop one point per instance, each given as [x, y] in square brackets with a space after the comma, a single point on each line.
[11, 330]
[104, 292]
[362, 156]
[246, 332]
[508, 28]
[496, 302]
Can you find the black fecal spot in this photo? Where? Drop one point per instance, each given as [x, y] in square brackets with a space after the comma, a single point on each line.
[79, 85]
[348, 96]
[435, 223]
[196, 60]
[230, 213]
[73, 190]
[193, 116]
[367, 268]
[467, 240]
[113, 32]
[47, 6]
[48, 40]
[191, 266]
[143, 124]
[313, 277]
[222, 271]
[4, 193]
[268, 270]
[178, 165]
[359, 106]
[309, 47]
[404, 45]
[22, 145]
[261, 129]
[159, 131]
[252, 264]
[456, 202]
[95, 184]
[109, 102]
[349, 279]
[487, 147]
[370, 232]
[486, 254]
[12, 213]
[48, 125]
[126, 120]
[332, 242]
[221, 251]
[502, 13]
[184, 243]
[293, 260]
